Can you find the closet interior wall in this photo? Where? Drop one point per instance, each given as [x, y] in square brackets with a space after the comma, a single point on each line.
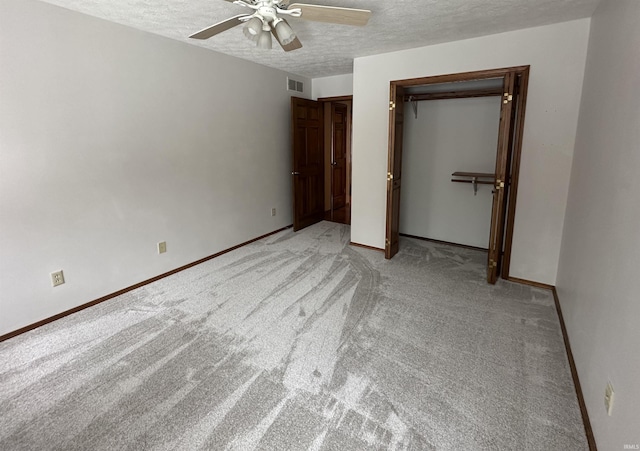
[442, 137]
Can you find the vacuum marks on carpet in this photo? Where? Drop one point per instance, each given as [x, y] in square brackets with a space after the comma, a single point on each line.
[300, 341]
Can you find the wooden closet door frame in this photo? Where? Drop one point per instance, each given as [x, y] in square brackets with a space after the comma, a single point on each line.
[502, 170]
[522, 76]
[394, 171]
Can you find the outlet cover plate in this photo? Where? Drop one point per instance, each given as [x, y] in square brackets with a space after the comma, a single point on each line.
[57, 278]
[162, 247]
[608, 398]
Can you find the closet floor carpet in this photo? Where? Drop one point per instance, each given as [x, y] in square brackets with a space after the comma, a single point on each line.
[300, 342]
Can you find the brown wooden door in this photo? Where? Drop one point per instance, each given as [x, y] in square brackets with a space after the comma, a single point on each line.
[517, 123]
[339, 156]
[308, 162]
[394, 174]
[505, 133]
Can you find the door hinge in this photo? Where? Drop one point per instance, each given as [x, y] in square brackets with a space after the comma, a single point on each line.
[492, 264]
[389, 176]
[507, 97]
[499, 184]
[392, 105]
[387, 243]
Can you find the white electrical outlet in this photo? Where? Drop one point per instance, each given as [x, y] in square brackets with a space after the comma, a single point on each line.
[162, 247]
[608, 398]
[57, 278]
[273, 211]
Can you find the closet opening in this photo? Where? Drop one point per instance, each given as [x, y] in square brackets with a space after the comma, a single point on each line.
[462, 138]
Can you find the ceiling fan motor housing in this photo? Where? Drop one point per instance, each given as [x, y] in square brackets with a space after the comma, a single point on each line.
[268, 13]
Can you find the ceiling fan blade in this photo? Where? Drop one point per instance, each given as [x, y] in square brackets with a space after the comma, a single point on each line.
[332, 14]
[293, 45]
[281, 3]
[219, 27]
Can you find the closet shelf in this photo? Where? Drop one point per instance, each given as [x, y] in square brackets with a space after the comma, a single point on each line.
[473, 174]
[475, 178]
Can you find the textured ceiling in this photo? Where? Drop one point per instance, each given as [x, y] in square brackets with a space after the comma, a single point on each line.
[330, 49]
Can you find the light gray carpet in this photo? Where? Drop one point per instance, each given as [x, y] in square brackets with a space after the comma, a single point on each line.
[295, 342]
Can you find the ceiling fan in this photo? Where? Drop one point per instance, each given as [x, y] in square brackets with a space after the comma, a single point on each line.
[266, 19]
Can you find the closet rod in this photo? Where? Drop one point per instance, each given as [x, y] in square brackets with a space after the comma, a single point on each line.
[455, 94]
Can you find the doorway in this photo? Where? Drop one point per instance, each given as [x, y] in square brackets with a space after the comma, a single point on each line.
[512, 91]
[321, 142]
[337, 157]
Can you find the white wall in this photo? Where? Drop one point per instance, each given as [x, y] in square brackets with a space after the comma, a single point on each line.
[448, 136]
[111, 140]
[336, 85]
[598, 283]
[557, 56]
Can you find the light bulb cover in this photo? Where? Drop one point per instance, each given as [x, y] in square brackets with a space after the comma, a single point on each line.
[253, 28]
[249, 35]
[264, 40]
[285, 33]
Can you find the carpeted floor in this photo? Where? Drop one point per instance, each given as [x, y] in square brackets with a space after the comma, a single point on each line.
[295, 342]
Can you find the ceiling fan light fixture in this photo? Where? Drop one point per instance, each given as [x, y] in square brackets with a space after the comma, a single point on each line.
[253, 28]
[264, 40]
[247, 33]
[266, 19]
[251, 37]
[285, 33]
